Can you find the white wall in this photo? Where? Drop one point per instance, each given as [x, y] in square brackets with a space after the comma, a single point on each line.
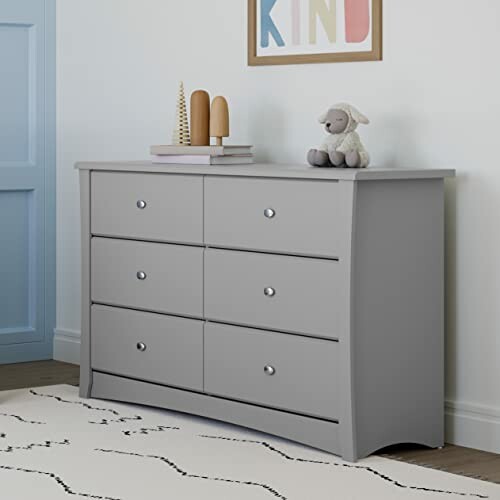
[433, 102]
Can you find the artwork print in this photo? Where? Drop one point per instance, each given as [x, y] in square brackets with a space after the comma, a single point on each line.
[309, 31]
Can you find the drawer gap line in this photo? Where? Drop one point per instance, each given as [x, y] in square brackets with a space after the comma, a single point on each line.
[145, 240]
[128, 308]
[271, 252]
[272, 330]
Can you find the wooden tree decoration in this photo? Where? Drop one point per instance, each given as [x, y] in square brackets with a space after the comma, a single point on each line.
[181, 131]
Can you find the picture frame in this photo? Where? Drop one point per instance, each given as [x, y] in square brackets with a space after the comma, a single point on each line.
[291, 48]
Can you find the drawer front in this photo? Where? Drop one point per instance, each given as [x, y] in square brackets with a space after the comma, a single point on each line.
[273, 291]
[272, 369]
[288, 216]
[171, 281]
[148, 346]
[148, 206]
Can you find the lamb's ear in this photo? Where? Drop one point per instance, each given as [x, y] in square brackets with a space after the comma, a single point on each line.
[358, 116]
[322, 119]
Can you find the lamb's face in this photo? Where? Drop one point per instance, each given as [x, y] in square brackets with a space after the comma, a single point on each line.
[336, 121]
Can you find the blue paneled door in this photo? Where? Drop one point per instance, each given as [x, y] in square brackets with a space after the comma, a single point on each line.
[27, 179]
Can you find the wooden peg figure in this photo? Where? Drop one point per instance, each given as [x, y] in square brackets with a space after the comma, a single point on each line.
[219, 119]
[200, 118]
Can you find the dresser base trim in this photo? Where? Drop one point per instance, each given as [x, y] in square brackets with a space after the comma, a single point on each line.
[313, 432]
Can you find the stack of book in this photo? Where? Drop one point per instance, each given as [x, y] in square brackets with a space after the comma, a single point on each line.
[202, 155]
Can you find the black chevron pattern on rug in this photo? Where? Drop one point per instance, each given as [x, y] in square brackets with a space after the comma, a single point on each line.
[176, 468]
[344, 465]
[186, 474]
[146, 431]
[82, 404]
[45, 444]
[67, 489]
[21, 419]
[122, 420]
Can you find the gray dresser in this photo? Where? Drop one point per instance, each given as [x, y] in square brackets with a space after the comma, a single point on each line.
[302, 302]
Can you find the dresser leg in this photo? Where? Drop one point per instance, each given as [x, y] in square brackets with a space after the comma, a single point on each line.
[85, 383]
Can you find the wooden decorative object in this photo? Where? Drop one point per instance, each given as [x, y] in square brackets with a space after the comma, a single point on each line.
[219, 119]
[181, 131]
[200, 118]
[307, 31]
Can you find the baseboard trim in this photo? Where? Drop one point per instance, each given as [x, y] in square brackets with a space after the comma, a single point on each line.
[473, 426]
[67, 346]
[469, 425]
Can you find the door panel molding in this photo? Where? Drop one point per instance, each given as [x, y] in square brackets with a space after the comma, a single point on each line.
[27, 180]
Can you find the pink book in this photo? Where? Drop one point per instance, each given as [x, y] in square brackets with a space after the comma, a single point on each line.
[202, 159]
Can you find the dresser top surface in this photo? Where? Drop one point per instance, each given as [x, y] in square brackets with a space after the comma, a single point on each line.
[273, 170]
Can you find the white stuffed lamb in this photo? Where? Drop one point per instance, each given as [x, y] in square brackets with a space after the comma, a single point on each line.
[343, 146]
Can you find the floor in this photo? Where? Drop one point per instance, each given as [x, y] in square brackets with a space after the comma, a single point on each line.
[454, 459]
[37, 374]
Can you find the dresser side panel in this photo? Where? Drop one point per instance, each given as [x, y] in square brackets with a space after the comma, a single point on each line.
[398, 325]
[347, 437]
[85, 370]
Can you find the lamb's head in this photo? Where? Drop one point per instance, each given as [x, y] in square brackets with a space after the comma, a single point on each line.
[342, 118]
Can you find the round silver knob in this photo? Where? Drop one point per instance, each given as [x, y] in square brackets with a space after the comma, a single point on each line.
[141, 275]
[269, 213]
[269, 370]
[269, 292]
[141, 346]
[141, 204]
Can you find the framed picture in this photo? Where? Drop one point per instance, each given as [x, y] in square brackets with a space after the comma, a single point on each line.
[314, 31]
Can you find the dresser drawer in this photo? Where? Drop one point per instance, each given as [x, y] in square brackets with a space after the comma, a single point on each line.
[273, 291]
[273, 369]
[147, 206]
[153, 276]
[288, 216]
[148, 346]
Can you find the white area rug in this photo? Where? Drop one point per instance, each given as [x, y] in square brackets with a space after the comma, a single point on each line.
[55, 446]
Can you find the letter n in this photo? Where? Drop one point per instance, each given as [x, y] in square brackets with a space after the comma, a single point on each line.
[328, 17]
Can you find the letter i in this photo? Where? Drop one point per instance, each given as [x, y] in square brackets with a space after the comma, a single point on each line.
[295, 22]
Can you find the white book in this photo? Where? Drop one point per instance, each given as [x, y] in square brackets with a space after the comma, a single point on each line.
[202, 160]
[201, 150]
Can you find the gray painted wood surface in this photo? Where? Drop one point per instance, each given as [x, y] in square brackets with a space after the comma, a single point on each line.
[306, 292]
[305, 379]
[398, 325]
[453, 459]
[173, 347]
[173, 282]
[306, 215]
[314, 432]
[173, 208]
[273, 170]
[86, 343]
[382, 298]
